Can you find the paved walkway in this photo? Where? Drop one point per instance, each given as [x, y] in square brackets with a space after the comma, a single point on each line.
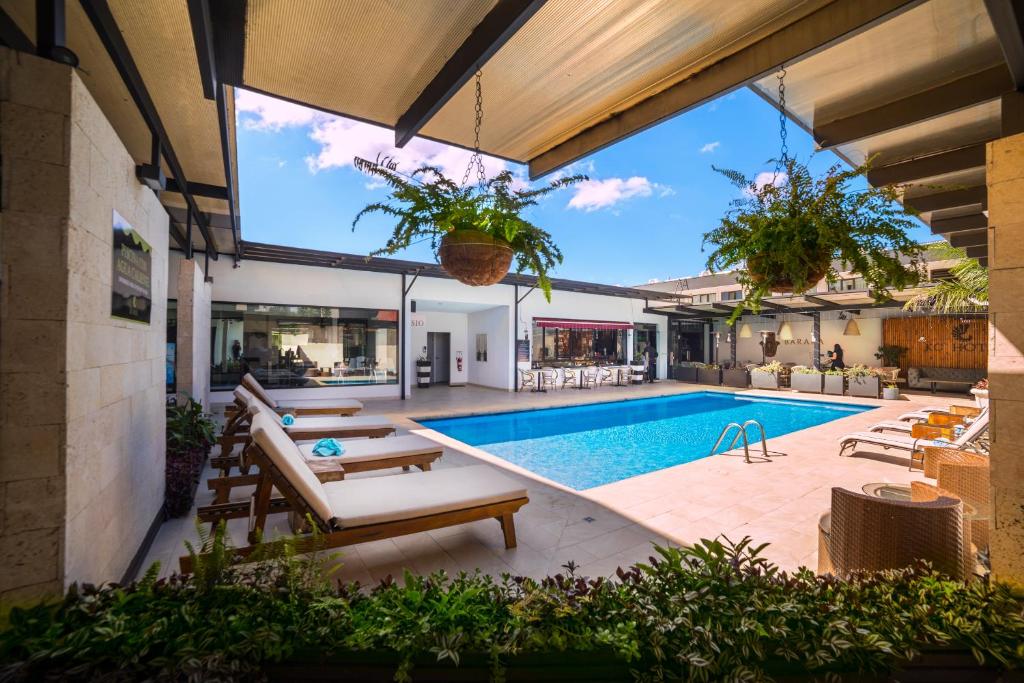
[777, 502]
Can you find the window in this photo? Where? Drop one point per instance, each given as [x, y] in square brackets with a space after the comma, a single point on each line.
[171, 356]
[303, 346]
[848, 284]
[732, 295]
[561, 346]
[703, 298]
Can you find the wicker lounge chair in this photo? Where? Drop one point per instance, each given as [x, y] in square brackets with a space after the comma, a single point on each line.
[358, 510]
[865, 533]
[914, 444]
[361, 455]
[338, 406]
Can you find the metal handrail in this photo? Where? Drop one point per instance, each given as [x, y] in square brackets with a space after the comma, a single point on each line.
[741, 433]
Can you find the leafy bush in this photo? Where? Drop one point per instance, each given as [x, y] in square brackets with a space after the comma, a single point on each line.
[774, 368]
[890, 354]
[861, 371]
[189, 439]
[715, 611]
[804, 370]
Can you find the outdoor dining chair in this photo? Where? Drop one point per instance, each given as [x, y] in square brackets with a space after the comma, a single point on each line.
[527, 380]
[547, 378]
[569, 377]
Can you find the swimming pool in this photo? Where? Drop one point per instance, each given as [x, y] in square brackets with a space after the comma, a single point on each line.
[590, 445]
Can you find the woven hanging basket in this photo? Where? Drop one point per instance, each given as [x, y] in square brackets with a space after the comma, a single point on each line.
[475, 258]
[780, 282]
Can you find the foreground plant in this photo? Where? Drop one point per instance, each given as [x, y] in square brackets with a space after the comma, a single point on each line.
[785, 236]
[711, 612]
[430, 206]
[965, 290]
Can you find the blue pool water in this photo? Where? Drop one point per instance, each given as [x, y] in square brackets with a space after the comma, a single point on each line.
[590, 445]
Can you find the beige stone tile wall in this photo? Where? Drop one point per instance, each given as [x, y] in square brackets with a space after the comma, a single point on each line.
[1006, 352]
[81, 393]
[195, 297]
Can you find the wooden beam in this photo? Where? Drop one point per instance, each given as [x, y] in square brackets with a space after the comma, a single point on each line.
[493, 31]
[969, 238]
[944, 226]
[977, 252]
[972, 156]
[964, 92]
[1008, 21]
[805, 36]
[949, 199]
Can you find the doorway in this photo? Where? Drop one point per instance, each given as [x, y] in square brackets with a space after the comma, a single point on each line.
[644, 334]
[439, 349]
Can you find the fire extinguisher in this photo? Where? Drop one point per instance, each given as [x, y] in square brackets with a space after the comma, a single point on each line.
[458, 360]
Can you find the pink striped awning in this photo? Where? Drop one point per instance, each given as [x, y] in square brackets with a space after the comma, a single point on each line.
[582, 324]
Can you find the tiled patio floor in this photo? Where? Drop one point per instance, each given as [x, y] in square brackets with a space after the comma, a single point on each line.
[777, 502]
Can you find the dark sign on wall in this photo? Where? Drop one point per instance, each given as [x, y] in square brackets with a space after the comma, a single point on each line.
[131, 284]
[523, 350]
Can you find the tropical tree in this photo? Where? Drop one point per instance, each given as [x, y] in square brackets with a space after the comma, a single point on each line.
[965, 290]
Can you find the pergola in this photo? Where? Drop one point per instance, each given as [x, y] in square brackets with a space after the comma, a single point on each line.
[919, 85]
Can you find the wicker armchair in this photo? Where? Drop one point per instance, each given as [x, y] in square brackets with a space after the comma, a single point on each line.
[605, 376]
[965, 476]
[548, 377]
[866, 533]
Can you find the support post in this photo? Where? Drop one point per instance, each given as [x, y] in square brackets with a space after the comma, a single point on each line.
[515, 339]
[51, 32]
[732, 345]
[188, 235]
[816, 340]
[401, 343]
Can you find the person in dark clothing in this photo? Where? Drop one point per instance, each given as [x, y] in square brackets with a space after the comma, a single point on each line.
[836, 354]
[651, 358]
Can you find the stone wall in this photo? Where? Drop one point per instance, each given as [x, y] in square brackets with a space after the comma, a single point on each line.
[81, 413]
[1006, 353]
[194, 308]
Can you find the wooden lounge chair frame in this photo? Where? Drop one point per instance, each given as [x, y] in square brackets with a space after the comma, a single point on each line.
[253, 385]
[262, 504]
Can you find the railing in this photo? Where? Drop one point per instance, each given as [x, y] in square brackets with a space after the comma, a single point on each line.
[741, 433]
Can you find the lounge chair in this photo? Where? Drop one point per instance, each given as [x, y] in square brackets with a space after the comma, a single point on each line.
[865, 533]
[359, 510]
[946, 421]
[924, 413]
[361, 455]
[914, 445]
[337, 407]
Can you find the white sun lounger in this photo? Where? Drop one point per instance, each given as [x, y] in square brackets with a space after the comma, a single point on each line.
[904, 442]
[358, 510]
[335, 406]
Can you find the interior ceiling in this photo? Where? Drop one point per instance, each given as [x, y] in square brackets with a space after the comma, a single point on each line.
[159, 37]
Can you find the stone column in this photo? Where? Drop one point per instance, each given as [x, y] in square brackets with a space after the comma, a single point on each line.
[1006, 353]
[193, 350]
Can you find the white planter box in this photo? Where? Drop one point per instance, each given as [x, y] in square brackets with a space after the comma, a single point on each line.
[763, 380]
[809, 382]
[834, 384]
[864, 386]
[890, 393]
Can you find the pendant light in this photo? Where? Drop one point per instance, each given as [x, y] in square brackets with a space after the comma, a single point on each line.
[852, 328]
[745, 332]
[785, 331]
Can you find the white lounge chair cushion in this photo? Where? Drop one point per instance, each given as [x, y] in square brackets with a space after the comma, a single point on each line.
[902, 441]
[322, 424]
[892, 426]
[366, 450]
[916, 416]
[332, 404]
[285, 455]
[377, 500]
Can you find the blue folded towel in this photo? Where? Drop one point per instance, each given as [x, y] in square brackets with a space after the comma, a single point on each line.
[326, 447]
[287, 419]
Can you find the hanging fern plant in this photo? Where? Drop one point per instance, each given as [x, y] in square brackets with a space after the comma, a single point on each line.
[786, 236]
[475, 230]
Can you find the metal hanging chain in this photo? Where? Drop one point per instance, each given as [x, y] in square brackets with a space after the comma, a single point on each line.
[477, 160]
[783, 159]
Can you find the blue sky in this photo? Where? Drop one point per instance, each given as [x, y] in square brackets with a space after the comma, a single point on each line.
[650, 199]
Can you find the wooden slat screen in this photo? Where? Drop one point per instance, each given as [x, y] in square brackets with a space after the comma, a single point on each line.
[938, 341]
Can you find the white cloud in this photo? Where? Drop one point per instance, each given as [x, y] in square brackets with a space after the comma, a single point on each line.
[710, 147]
[591, 195]
[340, 140]
[765, 178]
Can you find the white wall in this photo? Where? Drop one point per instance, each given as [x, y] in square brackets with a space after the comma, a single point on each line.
[857, 349]
[456, 325]
[496, 371]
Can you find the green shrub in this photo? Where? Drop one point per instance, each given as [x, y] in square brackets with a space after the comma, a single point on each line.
[804, 370]
[861, 371]
[773, 368]
[710, 612]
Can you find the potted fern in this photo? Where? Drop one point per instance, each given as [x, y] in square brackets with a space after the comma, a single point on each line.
[474, 230]
[863, 381]
[806, 379]
[785, 236]
[766, 376]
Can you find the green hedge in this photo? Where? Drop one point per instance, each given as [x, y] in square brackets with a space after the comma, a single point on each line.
[707, 613]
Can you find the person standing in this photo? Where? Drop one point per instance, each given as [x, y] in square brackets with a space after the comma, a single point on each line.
[836, 354]
[651, 360]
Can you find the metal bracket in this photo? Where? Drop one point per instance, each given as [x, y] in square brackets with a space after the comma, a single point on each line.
[520, 299]
[414, 278]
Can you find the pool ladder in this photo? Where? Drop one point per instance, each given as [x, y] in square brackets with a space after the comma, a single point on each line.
[741, 432]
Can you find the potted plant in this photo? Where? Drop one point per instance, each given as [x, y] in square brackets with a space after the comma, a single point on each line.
[766, 376]
[474, 230]
[736, 377]
[834, 382]
[685, 372]
[709, 373]
[423, 370]
[807, 379]
[636, 370]
[863, 381]
[190, 436]
[787, 235]
[890, 390]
